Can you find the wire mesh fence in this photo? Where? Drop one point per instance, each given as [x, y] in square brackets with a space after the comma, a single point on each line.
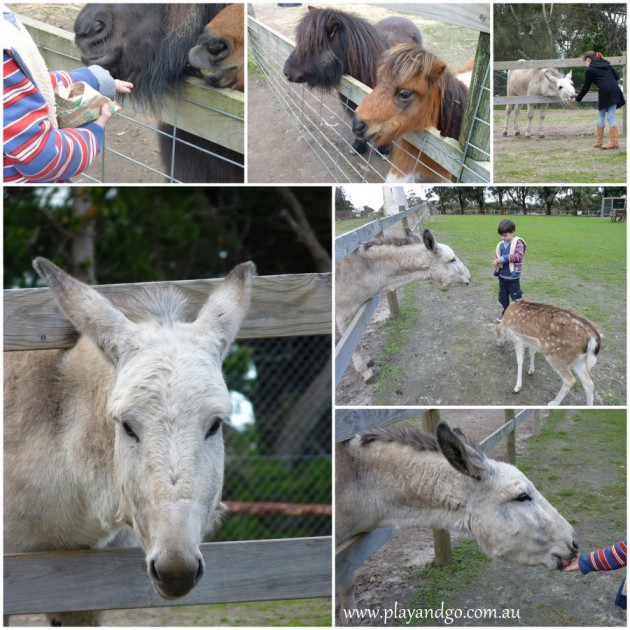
[324, 122]
[278, 473]
[141, 147]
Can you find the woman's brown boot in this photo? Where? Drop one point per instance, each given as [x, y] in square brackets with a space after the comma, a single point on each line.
[600, 137]
[613, 143]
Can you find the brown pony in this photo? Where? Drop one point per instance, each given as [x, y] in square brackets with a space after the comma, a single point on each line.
[220, 50]
[414, 91]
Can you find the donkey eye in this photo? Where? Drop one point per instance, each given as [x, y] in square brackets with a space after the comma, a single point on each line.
[216, 425]
[129, 432]
[453, 260]
[523, 497]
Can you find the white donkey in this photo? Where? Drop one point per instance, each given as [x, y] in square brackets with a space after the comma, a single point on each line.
[386, 264]
[536, 82]
[122, 431]
[569, 341]
[403, 477]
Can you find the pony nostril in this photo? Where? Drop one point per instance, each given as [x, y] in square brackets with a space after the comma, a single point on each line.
[359, 126]
[216, 47]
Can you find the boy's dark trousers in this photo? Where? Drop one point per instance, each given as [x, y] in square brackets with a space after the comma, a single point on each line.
[509, 289]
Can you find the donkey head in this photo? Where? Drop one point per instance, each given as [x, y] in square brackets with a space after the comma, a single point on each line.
[445, 268]
[166, 406]
[509, 518]
[562, 85]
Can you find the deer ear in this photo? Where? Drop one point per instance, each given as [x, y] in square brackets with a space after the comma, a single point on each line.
[458, 453]
[429, 241]
[91, 313]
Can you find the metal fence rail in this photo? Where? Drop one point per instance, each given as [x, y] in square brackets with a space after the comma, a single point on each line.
[325, 127]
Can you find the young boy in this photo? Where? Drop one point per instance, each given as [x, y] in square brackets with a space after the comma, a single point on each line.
[508, 264]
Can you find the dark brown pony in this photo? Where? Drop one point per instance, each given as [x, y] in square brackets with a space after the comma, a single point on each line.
[414, 91]
[148, 44]
[220, 51]
[330, 43]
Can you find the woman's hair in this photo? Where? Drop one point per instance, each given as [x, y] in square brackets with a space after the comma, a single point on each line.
[591, 54]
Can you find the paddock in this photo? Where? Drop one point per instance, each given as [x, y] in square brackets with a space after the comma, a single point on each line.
[442, 349]
[131, 152]
[401, 573]
[311, 127]
[518, 159]
[251, 571]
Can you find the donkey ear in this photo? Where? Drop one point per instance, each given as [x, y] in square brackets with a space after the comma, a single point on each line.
[227, 306]
[91, 313]
[460, 455]
[429, 241]
[569, 75]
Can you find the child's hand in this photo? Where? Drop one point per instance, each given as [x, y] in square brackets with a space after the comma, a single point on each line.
[106, 114]
[123, 87]
[574, 565]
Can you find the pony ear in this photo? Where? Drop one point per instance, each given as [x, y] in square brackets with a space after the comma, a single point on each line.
[437, 70]
[226, 306]
[458, 453]
[91, 313]
[332, 27]
[429, 241]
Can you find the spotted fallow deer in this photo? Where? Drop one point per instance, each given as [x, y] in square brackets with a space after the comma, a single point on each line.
[569, 341]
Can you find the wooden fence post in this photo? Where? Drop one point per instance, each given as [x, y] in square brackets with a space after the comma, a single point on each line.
[441, 537]
[510, 441]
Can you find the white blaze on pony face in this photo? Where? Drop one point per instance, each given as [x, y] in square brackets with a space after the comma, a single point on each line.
[168, 401]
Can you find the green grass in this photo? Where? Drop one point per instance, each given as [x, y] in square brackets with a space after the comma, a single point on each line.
[347, 225]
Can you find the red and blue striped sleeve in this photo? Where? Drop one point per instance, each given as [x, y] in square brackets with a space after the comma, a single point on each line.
[33, 149]
[519, 252]
[607, 559]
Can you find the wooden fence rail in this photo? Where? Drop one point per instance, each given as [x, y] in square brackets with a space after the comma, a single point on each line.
[354, 552]
[282, 306]
[263, 570]
[344, 245]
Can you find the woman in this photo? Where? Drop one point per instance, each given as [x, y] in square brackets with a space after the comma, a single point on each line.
[602, 74]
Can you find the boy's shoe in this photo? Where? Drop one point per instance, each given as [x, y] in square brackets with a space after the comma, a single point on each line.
[498, 319]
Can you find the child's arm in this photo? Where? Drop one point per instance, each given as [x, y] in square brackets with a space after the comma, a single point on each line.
[34, 148]
[94, 76]
[607, 559]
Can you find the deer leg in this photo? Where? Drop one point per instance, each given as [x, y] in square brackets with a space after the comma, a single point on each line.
[541, 123]
[520, 355]
[567, 383]
[582, 371]
[532, 354]
[347, 601]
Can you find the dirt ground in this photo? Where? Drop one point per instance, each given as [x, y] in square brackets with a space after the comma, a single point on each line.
[470, 369]
[270, 126]
[387, 577]
[565, 154]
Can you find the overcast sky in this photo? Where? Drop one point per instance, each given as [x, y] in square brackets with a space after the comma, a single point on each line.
[372, 194]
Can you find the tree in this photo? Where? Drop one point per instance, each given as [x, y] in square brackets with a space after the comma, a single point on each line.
[343, 206]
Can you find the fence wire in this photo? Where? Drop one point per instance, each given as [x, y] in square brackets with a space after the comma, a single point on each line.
[278, 471]
[324, 122]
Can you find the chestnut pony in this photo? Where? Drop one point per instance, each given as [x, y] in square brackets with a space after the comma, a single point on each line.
[220, 50]
[414, 91]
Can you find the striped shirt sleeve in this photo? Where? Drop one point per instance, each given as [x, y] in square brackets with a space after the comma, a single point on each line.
[606, 559]
[33, 149]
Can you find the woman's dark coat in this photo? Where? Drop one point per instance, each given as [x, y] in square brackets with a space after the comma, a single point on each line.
[603, 75]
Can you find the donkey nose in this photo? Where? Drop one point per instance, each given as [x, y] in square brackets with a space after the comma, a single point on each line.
[359, 126]
[175, 577]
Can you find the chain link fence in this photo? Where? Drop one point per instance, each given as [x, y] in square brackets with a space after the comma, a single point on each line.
[278, 471]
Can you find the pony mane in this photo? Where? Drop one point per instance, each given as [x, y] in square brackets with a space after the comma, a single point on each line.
[165, 305]
[358, 39]
[408, 62]
[412, 436]
[396, 241]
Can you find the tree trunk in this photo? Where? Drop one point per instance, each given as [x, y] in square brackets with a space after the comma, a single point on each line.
[83, 256]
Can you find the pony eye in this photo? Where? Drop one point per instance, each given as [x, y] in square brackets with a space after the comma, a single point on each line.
[404, 95]
[523, 497]
[216, 425]
[129, 432]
